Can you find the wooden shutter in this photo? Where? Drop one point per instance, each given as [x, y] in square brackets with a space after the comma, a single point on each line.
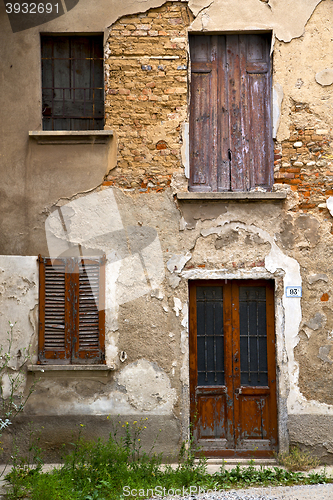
[230, 124]
[257, 113]
[202, 117]
[71, 311]
[54, 342]
[89, 345]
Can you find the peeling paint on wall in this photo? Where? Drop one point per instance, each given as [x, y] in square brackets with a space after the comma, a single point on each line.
[244, 15]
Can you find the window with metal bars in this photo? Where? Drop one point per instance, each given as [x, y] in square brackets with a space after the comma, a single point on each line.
[72, 82]
[71, 311]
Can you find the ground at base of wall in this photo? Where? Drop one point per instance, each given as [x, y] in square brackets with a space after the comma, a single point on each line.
[308, 492]
[54, 434]
[312, 433]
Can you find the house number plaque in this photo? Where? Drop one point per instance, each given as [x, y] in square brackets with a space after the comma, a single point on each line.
[293, 291]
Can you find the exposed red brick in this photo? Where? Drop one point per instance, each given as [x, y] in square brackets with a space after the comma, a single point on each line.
[161, 145]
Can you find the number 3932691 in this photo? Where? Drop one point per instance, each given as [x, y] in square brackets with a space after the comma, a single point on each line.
[32, 8]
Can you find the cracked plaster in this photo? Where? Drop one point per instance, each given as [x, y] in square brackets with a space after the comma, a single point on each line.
[288, 311]
[243, 15]
[219, 16]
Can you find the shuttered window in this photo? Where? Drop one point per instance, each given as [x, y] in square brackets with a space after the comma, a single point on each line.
[72, 82]
[231, 147]
[71, 311]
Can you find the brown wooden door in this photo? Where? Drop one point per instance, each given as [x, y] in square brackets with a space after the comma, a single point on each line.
[232, 367]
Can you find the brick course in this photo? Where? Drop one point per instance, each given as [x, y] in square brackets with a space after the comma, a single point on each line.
[146, 102]
[146, 95]
[307, 168]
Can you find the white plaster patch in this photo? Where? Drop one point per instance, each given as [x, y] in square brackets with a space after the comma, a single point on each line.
[174, 281]
[277, 102]
[325, 77]
[177, 305]
[184, 322]
[313, 278]
[92, 225]
[182, 224]
[18, 300]
[329, 204]
[5, 385]
[243, 15]
[147, 386]
[111, 349]
[82, 220]
[177, 262]
[112, 270]
[324, 354]
[185, 149]
[157, 294]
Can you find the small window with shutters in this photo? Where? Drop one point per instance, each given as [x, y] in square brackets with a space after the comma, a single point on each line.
[231, 146]
[72, 82]
[71, 311]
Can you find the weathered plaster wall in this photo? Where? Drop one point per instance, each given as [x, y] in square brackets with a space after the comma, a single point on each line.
[18, 302]
[155, 244]
[18, 327]
[296, 65]
[252, 15]
[291, 249]
[304, 154]
[21, 104]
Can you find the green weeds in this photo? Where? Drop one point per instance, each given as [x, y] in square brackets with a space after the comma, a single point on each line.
[117, 468]
[297, 460]
[12, 400]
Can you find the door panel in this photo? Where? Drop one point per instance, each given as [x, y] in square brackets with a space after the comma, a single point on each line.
[232, 367]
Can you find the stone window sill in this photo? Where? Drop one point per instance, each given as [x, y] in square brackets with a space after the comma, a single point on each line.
[71, 137]
[101, 369]
[232, 196]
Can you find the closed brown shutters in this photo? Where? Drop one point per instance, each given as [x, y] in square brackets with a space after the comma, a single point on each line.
[231, 147]
[71, 311]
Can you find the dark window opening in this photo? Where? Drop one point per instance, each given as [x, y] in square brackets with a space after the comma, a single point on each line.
[72, 82]
[71, 311]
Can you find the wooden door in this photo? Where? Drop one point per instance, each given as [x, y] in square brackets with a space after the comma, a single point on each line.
[232, 367]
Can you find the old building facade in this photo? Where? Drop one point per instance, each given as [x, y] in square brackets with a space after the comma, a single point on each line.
[166, 226]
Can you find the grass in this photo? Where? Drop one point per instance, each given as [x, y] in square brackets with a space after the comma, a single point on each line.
[297, 460]
[118, 468]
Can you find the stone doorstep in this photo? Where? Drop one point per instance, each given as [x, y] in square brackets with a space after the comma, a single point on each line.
[241, 461]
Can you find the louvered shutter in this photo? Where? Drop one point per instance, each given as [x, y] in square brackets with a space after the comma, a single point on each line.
[54, 342]
[89, 344]
[71, 311]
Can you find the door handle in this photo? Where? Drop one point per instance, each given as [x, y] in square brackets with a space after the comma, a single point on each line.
[238, 390]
